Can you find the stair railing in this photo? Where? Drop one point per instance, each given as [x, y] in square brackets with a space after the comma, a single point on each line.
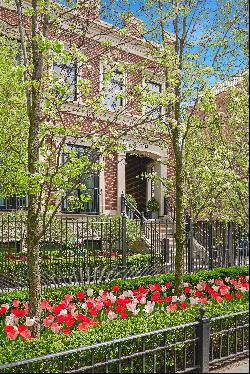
[148, 229]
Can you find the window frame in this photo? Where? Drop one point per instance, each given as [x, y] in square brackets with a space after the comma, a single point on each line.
[157, 80]
[115, 67]
[95, 190]
[75, 94]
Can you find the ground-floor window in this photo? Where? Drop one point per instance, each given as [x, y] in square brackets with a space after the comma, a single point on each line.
[90, 206]
[13, 202]
[92, 184]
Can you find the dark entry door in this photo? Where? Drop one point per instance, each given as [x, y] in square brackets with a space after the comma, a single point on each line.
[136, 185]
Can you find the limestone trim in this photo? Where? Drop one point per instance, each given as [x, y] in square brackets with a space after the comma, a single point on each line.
[102, 31]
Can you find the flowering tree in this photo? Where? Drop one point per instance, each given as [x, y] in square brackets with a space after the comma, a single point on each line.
[208, 42]
[54, 47]
[43, 86]
[217, 177]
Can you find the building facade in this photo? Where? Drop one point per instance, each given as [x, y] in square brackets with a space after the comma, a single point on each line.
[122, 172]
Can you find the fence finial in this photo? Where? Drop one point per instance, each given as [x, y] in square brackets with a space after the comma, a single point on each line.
[202, 312]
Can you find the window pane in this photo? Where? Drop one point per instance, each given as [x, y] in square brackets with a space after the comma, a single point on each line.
[67, 72]
[2, 202]
[154, 87]
[113, 89]
[13, 202]
[154, 110]
[89, 179]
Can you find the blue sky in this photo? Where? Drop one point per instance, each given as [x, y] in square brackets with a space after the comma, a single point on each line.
[211, 13]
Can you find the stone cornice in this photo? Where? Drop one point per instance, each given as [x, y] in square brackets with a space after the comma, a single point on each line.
[102, 31]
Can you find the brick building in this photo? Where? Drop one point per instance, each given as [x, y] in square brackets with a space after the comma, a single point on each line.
[122, 171]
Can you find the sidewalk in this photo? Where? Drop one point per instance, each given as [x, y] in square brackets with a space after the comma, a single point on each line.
[241, 366]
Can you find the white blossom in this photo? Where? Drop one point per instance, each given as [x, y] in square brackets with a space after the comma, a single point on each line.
[182, 298]
[10, 320]
[63, 312]
[149, 307]
[111, 315]
[143, 300]
[90, 292]
[84, 306]
[135, 312]
[215, 288]
[30, 321]
[112, 297]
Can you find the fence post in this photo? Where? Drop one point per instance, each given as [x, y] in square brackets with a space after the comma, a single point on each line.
[203, 342]
[230, 244]
[124, 242]
[165, 247]
[210, 245]
[190, 245]
[122, 203]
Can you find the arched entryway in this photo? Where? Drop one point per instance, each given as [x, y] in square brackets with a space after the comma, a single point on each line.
[136, 184]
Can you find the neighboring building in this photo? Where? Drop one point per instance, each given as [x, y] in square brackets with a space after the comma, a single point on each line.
[122, 172]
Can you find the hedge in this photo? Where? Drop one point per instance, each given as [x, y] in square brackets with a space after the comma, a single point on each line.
[19, 350]
[57, 294]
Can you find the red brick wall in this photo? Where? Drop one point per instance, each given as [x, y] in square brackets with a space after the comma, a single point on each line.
[95, 52]
[110, 175]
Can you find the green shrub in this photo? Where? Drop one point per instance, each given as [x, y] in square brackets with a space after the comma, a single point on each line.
[153, 205]
[57, 294]
[18, 350]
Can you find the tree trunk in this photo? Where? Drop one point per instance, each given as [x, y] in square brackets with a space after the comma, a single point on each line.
[180, 222]
[34, 277]
[34, 205]
[33, 229]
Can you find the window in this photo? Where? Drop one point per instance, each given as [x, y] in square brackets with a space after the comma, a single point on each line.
[13, 202]
[154, 110]
[90, 180]
[113, 91]
[67, 73]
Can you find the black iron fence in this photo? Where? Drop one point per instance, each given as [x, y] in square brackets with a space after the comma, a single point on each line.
[77, 251]
[215, 243]
[192, 347]
[103, 248]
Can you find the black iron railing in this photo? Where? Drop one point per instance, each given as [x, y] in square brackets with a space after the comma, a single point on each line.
[229, 336]
[186, 348]
[151, 229]
[77, 251]
[103, 248]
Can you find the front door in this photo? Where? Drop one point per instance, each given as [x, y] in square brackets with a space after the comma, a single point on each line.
[136, 184]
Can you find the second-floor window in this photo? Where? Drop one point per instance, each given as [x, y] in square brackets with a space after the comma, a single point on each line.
[67, 73]
[155, 110]
[113, 91]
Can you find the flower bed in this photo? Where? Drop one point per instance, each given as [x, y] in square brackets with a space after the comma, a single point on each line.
[88, 329]
[83, 310]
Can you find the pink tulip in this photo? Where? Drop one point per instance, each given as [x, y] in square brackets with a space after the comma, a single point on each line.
[15, 303]
[55, 328]
[48, 320]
